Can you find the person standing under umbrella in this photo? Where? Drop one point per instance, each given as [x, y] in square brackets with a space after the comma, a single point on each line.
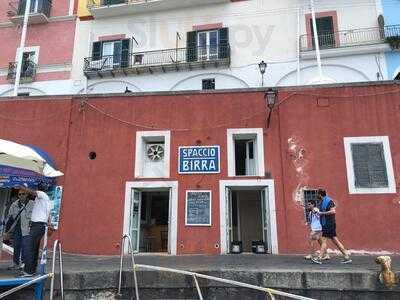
[39, 220]
[19, 215]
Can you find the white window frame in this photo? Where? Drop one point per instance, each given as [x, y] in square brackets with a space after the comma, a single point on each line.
[348, 141]
[140, 147]
[259, 150]
[186, 203]
[35, 49]
[208, 44]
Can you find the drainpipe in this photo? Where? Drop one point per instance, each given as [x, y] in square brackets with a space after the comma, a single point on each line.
[298, 46]
[316, 39]
[21, 47]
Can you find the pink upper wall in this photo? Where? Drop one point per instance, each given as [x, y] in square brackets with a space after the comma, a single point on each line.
[59, 8]
[56, 41]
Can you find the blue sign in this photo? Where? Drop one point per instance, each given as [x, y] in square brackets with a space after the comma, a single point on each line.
[199, 159]
[14, 177]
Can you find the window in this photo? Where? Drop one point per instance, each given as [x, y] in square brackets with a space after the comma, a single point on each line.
[152, 154]
[110, 54]
[207, 45]
[369, 165]
[326, 32]
[208, 84]
[397, 76]
[23, 94]
[37, 6]
[245, 152]
[327, 29]
[28, 64]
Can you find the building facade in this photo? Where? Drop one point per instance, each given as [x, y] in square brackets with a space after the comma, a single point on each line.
[391, 17]
[47, 55]
[200, 171]
[169, 46]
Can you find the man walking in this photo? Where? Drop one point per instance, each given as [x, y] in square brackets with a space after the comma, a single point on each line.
[327, 211]
[39, 220]
[19, 215]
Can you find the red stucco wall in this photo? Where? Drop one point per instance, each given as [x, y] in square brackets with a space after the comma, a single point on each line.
[92, 208]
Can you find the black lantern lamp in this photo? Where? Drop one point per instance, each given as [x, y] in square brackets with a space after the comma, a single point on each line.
[270, 97]
[263, 67]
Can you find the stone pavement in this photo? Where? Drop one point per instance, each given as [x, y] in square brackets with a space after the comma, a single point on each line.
[92, 277]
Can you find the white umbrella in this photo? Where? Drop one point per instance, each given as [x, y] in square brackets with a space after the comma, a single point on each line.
[24, 157]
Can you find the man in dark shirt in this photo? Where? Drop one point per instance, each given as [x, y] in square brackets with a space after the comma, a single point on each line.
[327, 212]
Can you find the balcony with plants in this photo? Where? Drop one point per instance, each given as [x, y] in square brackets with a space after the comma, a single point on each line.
[353, 38]
[28, 72]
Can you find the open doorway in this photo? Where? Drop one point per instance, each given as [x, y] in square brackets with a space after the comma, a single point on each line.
[247, 218]
[154, 222]
[149, 220]
[249, 207]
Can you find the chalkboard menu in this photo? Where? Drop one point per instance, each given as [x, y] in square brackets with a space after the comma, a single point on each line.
[198, 208]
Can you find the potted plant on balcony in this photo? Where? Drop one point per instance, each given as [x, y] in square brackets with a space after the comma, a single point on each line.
[393, 41]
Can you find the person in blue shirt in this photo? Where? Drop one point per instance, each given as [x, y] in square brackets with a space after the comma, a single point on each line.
[327, 212]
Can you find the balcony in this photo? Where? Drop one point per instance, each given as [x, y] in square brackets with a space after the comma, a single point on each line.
[39, 11]
[111, 8]
[158, 61]
[350, 38]
[28, 72]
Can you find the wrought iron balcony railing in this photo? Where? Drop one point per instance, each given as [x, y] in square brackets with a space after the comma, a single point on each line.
[28, 72]
[161, 61]
[349, 38]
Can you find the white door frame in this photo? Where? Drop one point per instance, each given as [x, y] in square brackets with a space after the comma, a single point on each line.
[173, 205]
[223, 184]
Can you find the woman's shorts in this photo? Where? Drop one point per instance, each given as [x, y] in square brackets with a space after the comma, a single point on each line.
[315, 235]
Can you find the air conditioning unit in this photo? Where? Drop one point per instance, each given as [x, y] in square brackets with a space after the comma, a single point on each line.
[155, 152]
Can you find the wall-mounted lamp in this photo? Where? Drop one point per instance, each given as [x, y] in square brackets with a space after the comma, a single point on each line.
[263, 67]
[270, 97]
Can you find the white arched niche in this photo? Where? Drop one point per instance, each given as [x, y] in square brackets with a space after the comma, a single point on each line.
[222, 81]
[110, 86]
[332, 74]
[23, 90]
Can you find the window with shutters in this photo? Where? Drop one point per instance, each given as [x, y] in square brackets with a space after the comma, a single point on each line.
[207, 45]
[327, 29]
[369, 165]
[110, 54]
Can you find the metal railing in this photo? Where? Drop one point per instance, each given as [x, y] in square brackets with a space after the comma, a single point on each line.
[28, 71]
[349, 38]
[102, 3]
[37, 6]
[158, 58]
[57, 245]
[268, 291]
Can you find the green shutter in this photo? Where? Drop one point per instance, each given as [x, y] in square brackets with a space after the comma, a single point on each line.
[369, 165]
[96, 51]
[21, 7]
[191, 46]
[223, 43]
[126, 45]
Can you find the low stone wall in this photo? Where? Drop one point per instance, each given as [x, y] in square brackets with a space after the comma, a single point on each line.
[319, 284]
